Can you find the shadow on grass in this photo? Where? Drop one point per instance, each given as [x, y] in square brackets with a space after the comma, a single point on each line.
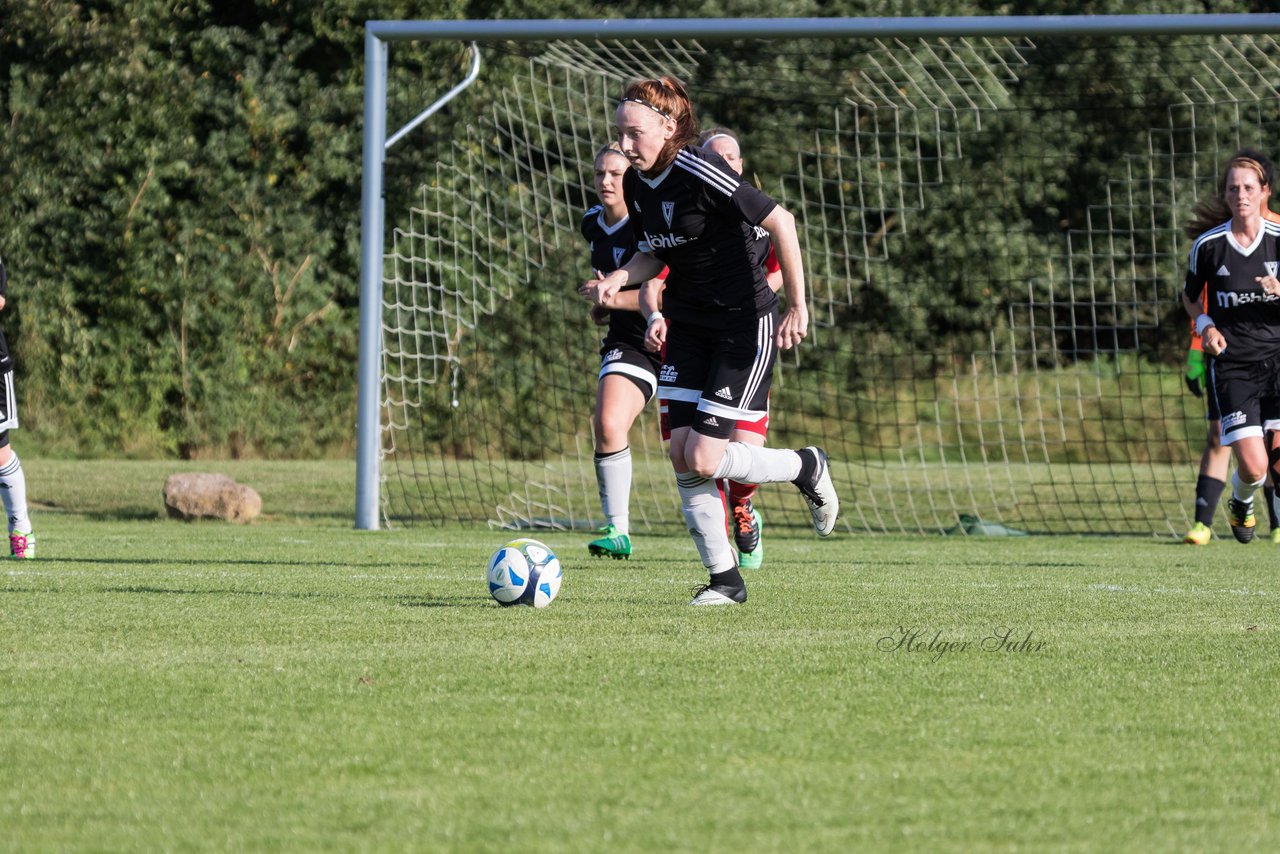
[441, 601]
[402, 601]
[178, 591]
[179, 562]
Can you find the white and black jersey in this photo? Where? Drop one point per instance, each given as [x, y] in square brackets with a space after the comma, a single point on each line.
[1247, 317]
[611, 247]
[702, 221]
[5, 362]
[8, 402]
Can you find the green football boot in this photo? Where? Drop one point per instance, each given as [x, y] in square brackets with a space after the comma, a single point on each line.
[746, 535]
[612, 544]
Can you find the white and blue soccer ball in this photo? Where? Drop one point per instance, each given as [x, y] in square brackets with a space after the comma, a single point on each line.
[524, 572]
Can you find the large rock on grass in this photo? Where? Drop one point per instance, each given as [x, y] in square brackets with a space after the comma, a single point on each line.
[210, 496]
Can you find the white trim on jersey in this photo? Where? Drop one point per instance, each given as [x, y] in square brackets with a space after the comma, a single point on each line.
[598, 210]
[633, 371]
[1212, 234]
[1246, 251]
[610, 229]
[711, 175]
[654, 182]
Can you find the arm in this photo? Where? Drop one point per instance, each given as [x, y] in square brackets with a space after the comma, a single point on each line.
[602, 290]
[1211, 339]
[793, 326]
[650, 299]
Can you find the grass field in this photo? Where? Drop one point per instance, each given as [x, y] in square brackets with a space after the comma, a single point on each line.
[294, 684]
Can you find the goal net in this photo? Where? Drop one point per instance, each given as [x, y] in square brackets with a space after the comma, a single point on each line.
[992, 236]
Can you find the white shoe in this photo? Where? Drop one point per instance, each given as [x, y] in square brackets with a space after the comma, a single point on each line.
[820, 493]
[716, 594]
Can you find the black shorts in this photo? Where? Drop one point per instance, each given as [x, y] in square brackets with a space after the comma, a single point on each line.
[714, 378]
[1248, 397]
[632, 361]
[8, 401]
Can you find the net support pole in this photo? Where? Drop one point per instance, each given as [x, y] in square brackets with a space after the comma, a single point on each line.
[368, 418]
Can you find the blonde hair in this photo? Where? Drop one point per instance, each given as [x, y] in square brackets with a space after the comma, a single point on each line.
[609, 148]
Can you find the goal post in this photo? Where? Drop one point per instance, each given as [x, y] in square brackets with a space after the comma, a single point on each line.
[1034, 396]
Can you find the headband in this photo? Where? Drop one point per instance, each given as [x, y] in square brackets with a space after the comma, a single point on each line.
[645, 103]
[713, 136]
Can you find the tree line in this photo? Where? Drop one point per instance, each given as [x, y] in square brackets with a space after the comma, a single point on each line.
[181, 185]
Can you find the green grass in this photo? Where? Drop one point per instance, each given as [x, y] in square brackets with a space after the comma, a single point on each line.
[294, 684]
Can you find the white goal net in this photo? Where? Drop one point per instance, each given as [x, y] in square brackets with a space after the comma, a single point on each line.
[992, 234]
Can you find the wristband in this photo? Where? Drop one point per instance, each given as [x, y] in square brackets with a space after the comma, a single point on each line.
[657, 315]
[1203, 322]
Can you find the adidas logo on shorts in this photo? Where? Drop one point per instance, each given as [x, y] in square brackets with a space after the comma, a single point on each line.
[668, 374]
[726, 393]
[710, 421]
[612, 355]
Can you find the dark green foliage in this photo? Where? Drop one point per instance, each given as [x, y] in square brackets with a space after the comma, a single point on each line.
[180, 208]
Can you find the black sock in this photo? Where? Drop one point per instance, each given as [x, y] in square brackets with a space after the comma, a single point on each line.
[1270, 493]
[808, 465]
[728, 578]
[1208, 493]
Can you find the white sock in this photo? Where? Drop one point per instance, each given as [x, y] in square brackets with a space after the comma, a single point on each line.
[613, 477]
[703, 510]
[754, 464]
[1240, 490]
[13, 491]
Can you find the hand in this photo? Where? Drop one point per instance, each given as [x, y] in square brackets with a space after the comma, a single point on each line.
[1213, 342]
[1269, 284]
[1195, 372]
[792, 328]
[599, 315]
[587, 290]
[602, 289]
[656, 335]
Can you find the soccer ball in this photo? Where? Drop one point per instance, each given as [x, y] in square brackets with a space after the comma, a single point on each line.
[524, 572]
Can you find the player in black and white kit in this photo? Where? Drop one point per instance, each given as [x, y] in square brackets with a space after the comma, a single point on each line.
[719, 320]
[1237, 263]
[13, 483]
[628, 375]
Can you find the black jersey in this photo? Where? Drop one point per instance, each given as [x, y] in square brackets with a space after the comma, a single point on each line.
[611, 247]
[702, 221]
[1247, 317]
[4, 292]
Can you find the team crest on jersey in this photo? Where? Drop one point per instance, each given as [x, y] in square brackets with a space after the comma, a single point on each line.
[618, 252]
[668, 210]
[1271, 267]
